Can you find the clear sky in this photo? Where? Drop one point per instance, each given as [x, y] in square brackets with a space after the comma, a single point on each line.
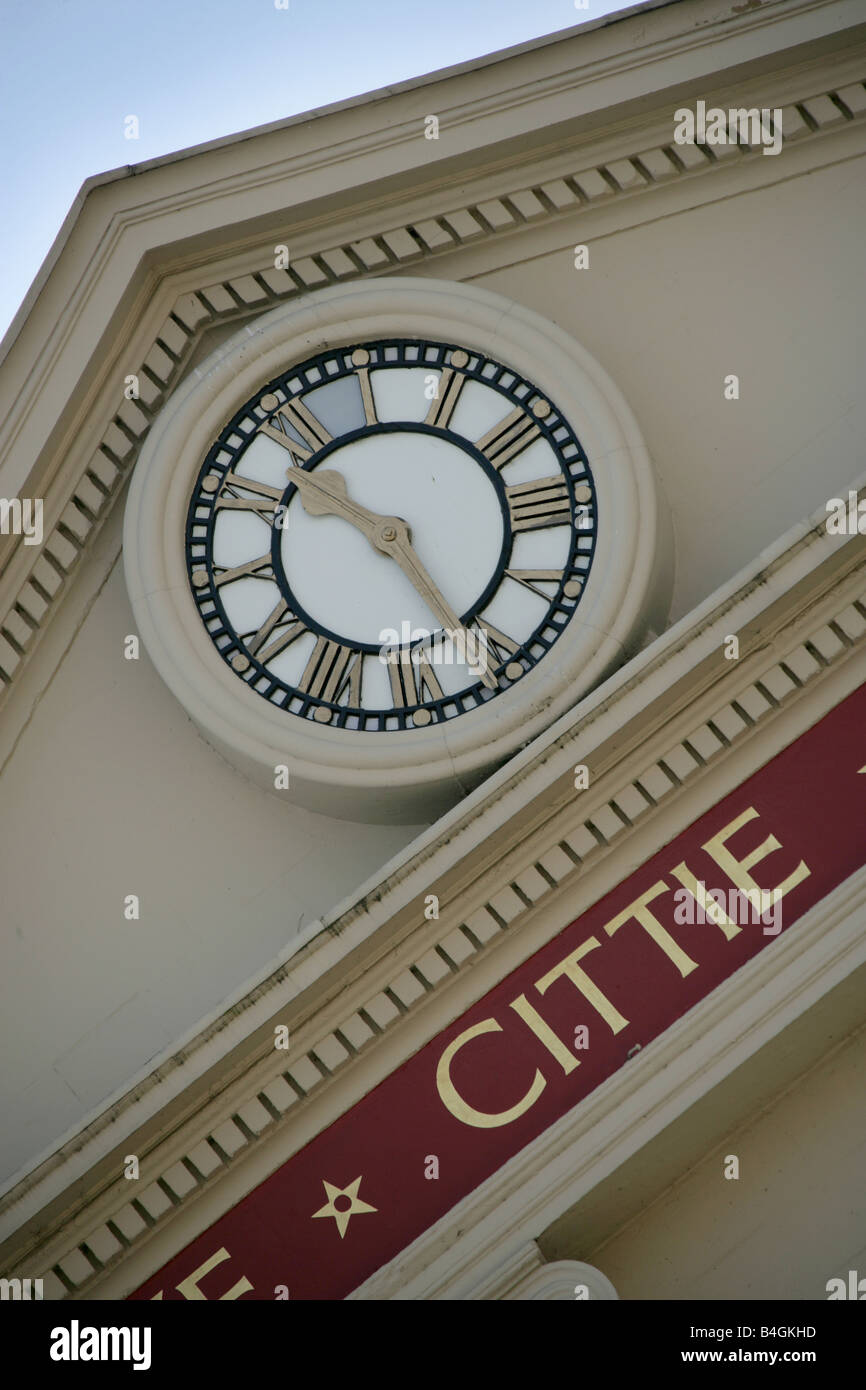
[195, 70]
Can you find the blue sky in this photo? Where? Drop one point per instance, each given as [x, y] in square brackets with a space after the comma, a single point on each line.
[195, 70]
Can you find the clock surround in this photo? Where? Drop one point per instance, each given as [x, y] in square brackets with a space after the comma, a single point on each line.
[407, 770]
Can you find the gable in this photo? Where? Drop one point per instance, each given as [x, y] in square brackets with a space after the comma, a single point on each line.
[692, 255]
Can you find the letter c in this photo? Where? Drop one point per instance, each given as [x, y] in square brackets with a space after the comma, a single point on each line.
[458, 1106]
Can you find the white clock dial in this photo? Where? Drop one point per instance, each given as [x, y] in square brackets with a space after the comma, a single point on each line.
[390, 534]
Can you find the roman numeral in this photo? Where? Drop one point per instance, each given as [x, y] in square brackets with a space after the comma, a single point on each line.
[501, 645]
[411, 684]
[295, 449]
[544, 502]
[531, 578]
[331, 668]
[442, 406]
[507, 439]
[305, 422]
[255, 645]
[367, 396]
[256, 568]
[302, 419]
[264, 508]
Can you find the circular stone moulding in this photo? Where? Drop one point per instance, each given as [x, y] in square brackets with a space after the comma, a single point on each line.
[401, 774]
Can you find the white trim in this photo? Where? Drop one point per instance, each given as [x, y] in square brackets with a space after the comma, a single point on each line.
[560, 1281]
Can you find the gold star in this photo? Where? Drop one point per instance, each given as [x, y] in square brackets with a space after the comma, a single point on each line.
[356, 1206]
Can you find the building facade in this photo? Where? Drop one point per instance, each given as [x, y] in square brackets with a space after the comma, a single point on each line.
[552, 989]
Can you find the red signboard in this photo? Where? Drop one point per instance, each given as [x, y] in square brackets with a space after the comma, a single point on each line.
[547, 1034]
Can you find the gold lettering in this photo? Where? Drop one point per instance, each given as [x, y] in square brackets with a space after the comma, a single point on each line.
[458, 1106]
[712, 910]
[641, 913]
[555, 1046]
[189, 1286]
[738, 869]
[587, 987]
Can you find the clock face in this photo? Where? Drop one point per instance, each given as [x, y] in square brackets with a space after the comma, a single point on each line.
[391, 534]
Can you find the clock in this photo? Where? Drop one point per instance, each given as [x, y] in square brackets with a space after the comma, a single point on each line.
[390, 534]
[384, 535]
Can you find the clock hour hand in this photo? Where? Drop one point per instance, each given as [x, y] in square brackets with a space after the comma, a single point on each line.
[325, 493]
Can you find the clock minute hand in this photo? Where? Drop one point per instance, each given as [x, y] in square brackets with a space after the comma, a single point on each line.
[400, 548]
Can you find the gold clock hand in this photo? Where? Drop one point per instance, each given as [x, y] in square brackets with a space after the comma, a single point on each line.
[400, 548]
[325, 494]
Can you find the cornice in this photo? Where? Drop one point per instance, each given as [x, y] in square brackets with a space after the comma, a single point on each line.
[618, 43]
[664, 738]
